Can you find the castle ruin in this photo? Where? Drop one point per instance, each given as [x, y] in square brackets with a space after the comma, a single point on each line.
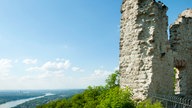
[181, 45]
[147, 58]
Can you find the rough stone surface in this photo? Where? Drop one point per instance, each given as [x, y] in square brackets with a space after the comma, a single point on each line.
[146, 61]
[181, 44]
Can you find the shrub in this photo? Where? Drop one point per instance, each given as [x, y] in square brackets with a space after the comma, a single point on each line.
[149, 104]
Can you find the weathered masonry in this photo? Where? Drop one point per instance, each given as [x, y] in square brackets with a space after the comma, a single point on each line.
[146, 62]
[181, 44]
[147, 57]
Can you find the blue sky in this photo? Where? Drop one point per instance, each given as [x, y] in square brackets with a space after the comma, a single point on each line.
[62, 44]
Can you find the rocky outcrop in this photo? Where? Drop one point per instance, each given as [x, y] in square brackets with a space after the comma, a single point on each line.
[181, 44]
[146, 61]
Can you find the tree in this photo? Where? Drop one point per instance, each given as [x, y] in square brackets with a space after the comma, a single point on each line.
[116, 98]
[113, 80]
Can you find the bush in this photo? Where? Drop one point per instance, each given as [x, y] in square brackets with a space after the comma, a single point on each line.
[116, 98]
[149, 104]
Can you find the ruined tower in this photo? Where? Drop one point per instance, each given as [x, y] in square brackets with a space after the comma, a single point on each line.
[146, 64]
[181, 44]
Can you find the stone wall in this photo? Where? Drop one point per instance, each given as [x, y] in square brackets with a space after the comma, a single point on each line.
[181, 44]
[146, 62]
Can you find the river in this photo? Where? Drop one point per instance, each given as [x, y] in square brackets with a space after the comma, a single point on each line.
[11, 104]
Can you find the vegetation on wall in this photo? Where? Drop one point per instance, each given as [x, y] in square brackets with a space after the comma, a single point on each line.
[174, 78]
[148, 104]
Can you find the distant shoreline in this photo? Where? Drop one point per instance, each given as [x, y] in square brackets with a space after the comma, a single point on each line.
[14, 103]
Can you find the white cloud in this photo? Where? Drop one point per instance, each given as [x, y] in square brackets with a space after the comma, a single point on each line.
[117, 68]
[5, 66]
[30, 61]
[100, 72]
[33, 69]
[98, 77]
[57, 65]
[51, 75]
[58, 80]
[77, 69]
[16, 61]
[55, 80]
[5, 63]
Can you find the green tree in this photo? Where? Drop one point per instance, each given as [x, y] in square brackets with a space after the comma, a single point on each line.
[63, 104]
[113, 79]
[77, 101]
[116, 98]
